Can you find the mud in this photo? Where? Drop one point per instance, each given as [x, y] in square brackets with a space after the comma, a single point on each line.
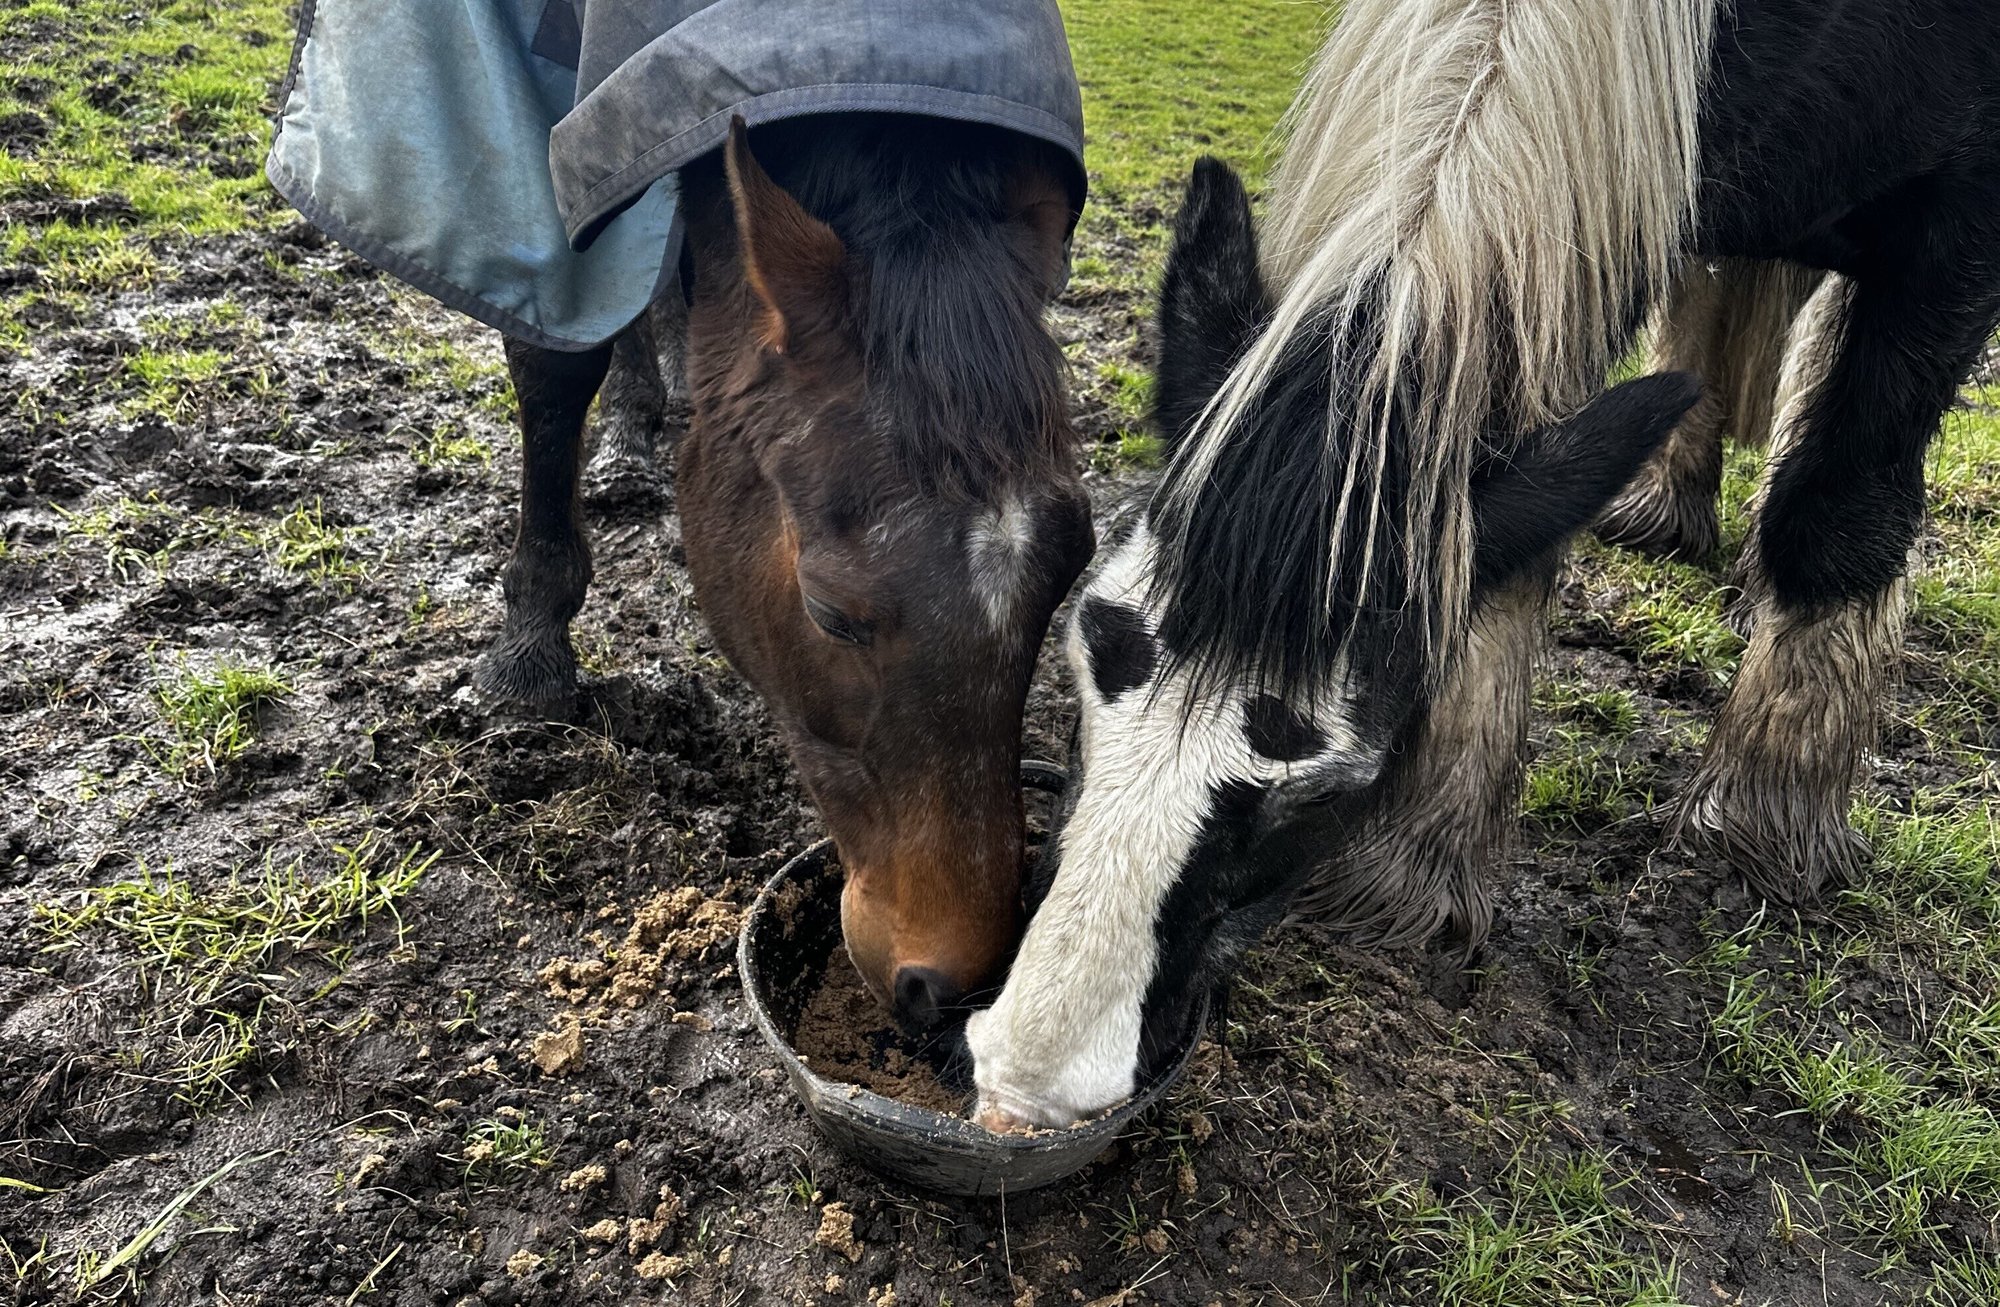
[843, 1035]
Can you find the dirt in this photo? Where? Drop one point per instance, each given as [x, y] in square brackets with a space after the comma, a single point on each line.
[564, 966]
[844, 1035]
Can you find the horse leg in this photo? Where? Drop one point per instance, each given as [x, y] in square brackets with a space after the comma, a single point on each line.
[643, 395]
[1727, 323]
[1415, 867]
[1875, 363]
[532, 663]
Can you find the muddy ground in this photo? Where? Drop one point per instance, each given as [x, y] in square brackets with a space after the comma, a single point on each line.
[525, 1075]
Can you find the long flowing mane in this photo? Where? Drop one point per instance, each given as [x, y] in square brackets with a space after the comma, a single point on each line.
[1477, 199]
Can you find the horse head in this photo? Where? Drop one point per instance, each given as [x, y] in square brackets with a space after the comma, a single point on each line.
[880, 505]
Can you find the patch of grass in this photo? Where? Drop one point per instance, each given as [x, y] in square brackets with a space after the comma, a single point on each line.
[1133, 451]
[1956, 593]
[154, 128]
[226, 965]
[170, 379]
[1611, 712]
[1670, 614]
[504, 1146]
[1585, 786]
[135, 535]
[1967, 1280]
[449, 444]
[1127, 390]
[206, 935]
[1167, 80]
[1908, 1126]
[211, 712]
[478, 379]
[1550, 1228]
[303, 542]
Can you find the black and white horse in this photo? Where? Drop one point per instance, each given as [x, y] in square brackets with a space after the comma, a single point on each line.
[1311, 657]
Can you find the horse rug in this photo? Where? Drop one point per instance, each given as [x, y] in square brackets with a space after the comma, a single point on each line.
[516, 158]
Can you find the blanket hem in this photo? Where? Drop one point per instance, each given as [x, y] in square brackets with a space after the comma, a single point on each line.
[447, 292]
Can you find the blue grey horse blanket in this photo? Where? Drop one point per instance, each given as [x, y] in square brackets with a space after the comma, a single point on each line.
[516, 158]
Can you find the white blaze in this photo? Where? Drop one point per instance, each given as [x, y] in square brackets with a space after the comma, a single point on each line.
[999, 544]
[1062, 1040]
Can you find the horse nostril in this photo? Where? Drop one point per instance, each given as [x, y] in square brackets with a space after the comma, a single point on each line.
[924, 998]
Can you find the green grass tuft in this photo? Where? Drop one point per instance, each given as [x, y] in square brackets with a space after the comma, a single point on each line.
[1550, 1228]
[506, 1146]
[212, 711]
[1584, 785]
[304, 543]
[449, 444]
[1611, 713]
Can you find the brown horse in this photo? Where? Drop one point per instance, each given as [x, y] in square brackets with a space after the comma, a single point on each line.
[878, 500]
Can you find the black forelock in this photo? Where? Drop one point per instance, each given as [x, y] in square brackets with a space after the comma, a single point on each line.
[965, 382]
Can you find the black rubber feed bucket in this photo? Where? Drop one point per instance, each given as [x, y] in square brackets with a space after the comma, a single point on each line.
[783, 954]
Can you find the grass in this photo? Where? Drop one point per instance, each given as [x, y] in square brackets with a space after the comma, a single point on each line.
[91, 1269]
[204, 936]
[211, 712]
[305, 544]
[1669, 614]
[1162, 86]
[131, 98]
[451, 445]
[505, 1146]
[134, 535]
[1956, 595]
[228, 966]
[1611, 713]
[1165, 82]
[170, 379]
[1585, 786]
[1551, 1231]
[1907, 1126]
[141, 539]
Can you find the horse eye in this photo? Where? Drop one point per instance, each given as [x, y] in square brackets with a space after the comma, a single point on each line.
[838, 624]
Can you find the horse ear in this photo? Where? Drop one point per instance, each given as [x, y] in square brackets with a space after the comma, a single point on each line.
[1212, 299]
[793, 261]
[1039, 204]
[1559, 479]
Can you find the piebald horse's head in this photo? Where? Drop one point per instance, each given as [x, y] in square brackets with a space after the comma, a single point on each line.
[880, 507]
[1199, 800]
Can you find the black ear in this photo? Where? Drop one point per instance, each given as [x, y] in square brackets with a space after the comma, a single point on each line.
[1212, 300]
[1562, 476]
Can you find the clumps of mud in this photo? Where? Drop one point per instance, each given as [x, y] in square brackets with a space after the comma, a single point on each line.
[672, 940]
[844, 1035]
[671, 930]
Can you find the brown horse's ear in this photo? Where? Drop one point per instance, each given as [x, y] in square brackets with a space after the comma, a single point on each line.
[1039, 202]
[793, 261]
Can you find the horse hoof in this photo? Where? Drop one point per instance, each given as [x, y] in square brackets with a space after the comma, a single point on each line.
[624, 481]
[529, 672]
[1789, 862]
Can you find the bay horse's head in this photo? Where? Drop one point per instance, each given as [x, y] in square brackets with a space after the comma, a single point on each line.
[879, 501]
